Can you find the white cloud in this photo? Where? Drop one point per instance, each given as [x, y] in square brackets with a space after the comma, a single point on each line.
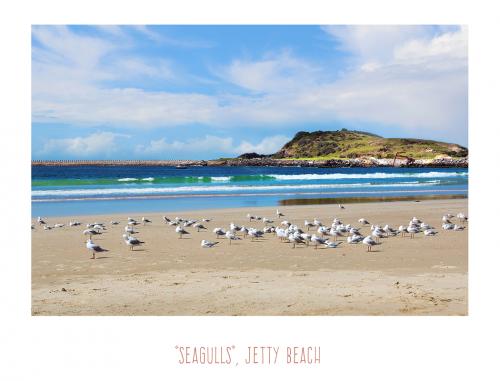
[409, 77]
[210, 144]
[99, 143]
[268, 145]
[279, 73]
[375, 42]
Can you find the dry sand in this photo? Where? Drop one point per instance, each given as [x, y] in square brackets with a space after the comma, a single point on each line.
[171, 276]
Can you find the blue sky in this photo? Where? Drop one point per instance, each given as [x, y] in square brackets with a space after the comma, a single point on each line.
[201, 92]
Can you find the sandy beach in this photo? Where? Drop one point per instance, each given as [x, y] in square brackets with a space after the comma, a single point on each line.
[172, 276]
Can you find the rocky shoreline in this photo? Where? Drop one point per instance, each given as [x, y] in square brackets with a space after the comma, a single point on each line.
[269, 162]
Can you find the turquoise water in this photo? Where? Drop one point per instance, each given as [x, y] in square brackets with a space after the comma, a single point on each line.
[93, 190]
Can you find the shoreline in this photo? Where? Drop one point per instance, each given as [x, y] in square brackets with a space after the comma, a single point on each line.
[160, 197]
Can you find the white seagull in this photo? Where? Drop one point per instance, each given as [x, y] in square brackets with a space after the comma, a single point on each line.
[131, 242]
[231, 237]
[94, 248]
[369, 241]
[332, 245]
[179, 230]
[208, 244]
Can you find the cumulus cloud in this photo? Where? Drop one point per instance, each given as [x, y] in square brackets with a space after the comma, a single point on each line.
[210, 143]
[99, 143]
[276, 73]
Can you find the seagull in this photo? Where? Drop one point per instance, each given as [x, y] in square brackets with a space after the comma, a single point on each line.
[354, 231]
[180, 231]
[446, 219]
[250, 217]
[95, 248]
[295, 239]
[457, 227]
[74, 223]
[389, 231]
[308, 224]
[98, 227]
[317, 241]
[363, 221]
[269, 229]
[369, 241]
[129, 230]
[234, 227]
[254, 233]
[341, 206]
[430, 232]
[377, 233]
[90, 232]
[199, 226]
[145, 220]
[166, 219]
[335, 233]
[207, 220]
[462, 217]
[208, 244]
[114, 222]
[317, 222]
[131, 241]
[219, 232]
[413, 230]
[323, 230]
[267, 221]
[40, 221]
[425, 226]
[58, 225]
[281, 233]
[448, 226]
[415, 220]
[231, 237]
[332, 245]
[355, 239]
[46, 227]
[306, 237]
[244, 230]
[279, 214]
[403, 230]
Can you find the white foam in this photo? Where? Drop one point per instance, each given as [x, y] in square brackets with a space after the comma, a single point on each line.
[214, 188]
[220, 178]
[148, 179]
[377, 175]
[128, 179]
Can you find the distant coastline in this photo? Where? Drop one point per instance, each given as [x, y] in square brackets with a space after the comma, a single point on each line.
[266, 162]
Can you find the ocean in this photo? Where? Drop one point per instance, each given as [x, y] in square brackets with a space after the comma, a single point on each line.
[86, 190]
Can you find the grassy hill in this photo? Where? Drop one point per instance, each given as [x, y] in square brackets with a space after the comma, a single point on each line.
[346, 144]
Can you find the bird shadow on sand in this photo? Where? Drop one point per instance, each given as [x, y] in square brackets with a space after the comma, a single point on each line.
[103, 257]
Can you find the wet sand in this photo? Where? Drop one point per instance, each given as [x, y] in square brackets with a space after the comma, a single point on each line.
[171, 276]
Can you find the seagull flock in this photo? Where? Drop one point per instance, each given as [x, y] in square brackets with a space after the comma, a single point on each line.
[328, 236]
